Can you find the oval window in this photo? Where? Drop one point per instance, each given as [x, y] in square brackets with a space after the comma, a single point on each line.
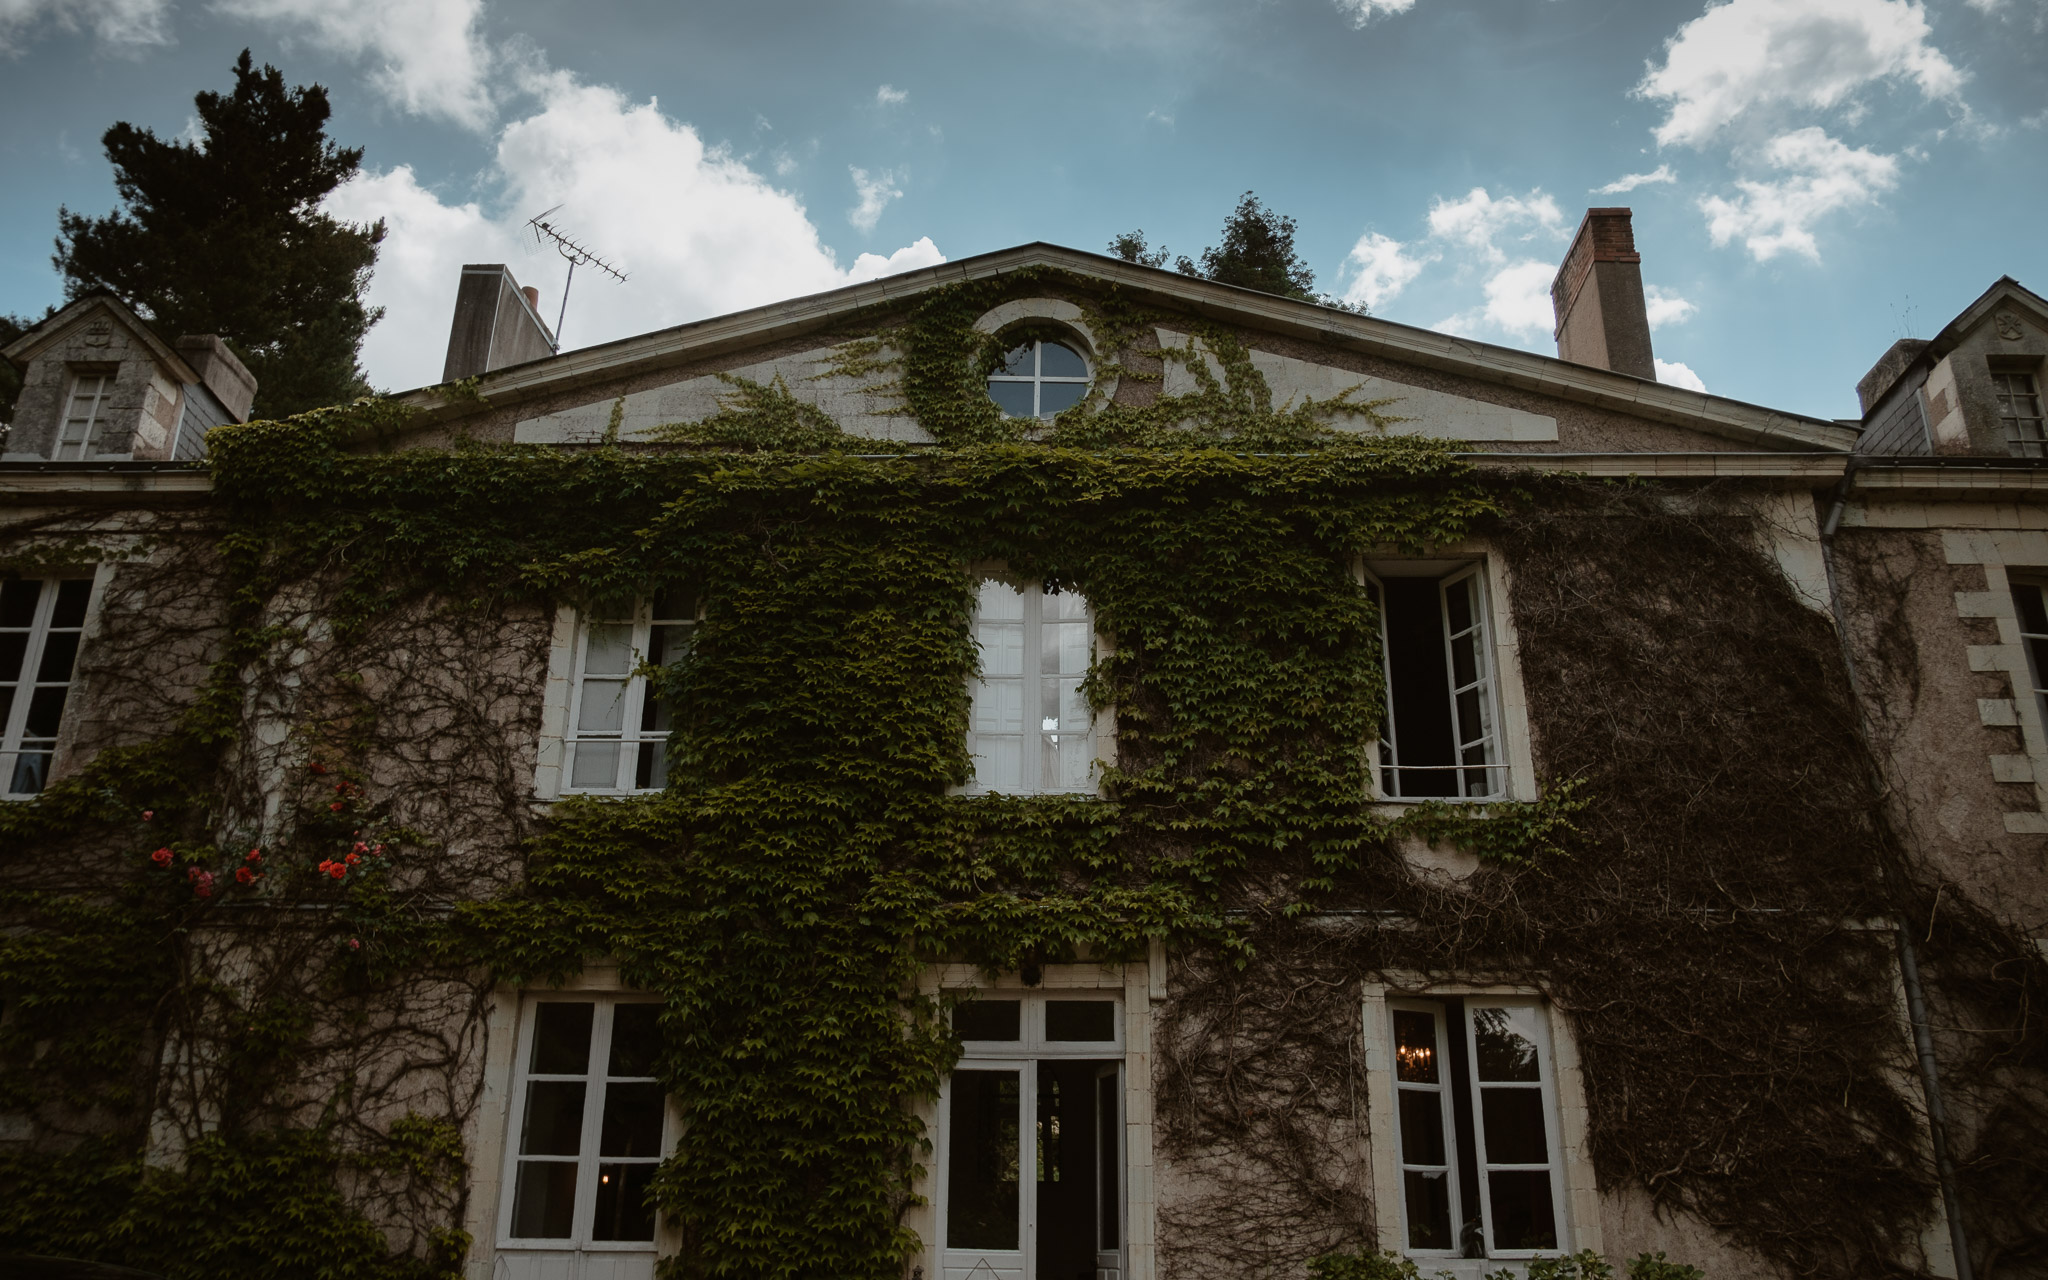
[1039, 379]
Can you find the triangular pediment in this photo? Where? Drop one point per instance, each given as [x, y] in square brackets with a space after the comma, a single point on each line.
[93, 318]
[1436, 384]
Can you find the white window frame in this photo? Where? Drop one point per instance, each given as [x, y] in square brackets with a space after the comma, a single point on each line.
[1496, 768]
[2034, 643]
[38, 634]
[578, 1241]
[1038, 380]
[633, 700]
[1447, 1116]
[2026, 432]
[86, 444]
[1031, 742]
[1546, 1086]
[1574, 1185]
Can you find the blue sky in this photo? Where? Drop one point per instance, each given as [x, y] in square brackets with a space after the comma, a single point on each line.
[1812, 179]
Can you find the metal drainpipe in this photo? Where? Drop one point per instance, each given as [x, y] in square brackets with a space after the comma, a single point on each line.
[1909, 961]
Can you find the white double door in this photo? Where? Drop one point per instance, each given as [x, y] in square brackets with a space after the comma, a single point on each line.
[1031, 1170]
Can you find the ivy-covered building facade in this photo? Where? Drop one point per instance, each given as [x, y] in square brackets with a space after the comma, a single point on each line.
[1038, 768]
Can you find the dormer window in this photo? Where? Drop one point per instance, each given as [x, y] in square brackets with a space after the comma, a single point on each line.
[1038, 379]
[2019, 414]
[85, 416]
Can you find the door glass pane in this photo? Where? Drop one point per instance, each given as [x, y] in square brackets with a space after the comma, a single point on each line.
[554, 1118]
[561, 1038]
[1108, 1165]
[544, 1205]
[636, 1039]
[622, 1209]
[1514, 1126]
[1522, 1214]
[1429, 1208]
[1080, 1020]
[632, 1120]
[982, 1188]
[1505, 1040]
[988, 1020]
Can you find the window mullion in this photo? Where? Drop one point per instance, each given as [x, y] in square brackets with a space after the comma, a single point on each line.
[1033, 744]
[585, 1222]
[635, 700]
[25, 681]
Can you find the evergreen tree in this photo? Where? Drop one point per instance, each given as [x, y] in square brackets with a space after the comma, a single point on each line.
[226, 236]
[1257, 253]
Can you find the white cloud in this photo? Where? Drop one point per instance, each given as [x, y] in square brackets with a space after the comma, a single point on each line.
[1822, 176]
[875, 191]
[1364, 11]
[427, 56]
[1384, 268]
[1762, 57]
[891, 96]
[1518, 298]
[1673, 373]
[1629, 182]
[1666, 308]
[126, 25]
[1477, 220]
[699, 232]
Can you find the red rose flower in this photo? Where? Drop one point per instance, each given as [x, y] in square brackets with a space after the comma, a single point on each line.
[354, 858]
[244, 876]
[355, 944]
[337, 869]
[254, 855]
[147, 814]
[202, 884]
[193, 873]
[361, 847]
[317, 767]
[162, 857]
[335, 807]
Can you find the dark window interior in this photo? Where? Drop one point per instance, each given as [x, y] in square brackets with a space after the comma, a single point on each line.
[1419, 689]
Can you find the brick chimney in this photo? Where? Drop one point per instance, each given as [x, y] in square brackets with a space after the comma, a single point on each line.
[1598, 298]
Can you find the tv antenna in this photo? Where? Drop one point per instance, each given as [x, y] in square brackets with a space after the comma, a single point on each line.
[545, 232]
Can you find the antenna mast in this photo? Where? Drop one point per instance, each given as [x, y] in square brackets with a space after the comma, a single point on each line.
[578, 256]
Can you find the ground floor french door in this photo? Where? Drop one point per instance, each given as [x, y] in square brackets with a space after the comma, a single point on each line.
[1031, 1169]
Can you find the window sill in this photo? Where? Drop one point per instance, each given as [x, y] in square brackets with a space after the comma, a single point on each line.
[1473, 1268]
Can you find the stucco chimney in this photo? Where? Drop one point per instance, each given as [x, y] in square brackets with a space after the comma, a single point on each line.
[496, 324]
[1598, 298]
[224, 375]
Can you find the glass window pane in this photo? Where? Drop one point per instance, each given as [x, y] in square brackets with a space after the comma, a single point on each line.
[1460, 605]
[554, 1118]
[1066, 761]
[1064, 648]
[544, 1206]
[13, 648]
[673, 605]
[1505, 1040]
[608, 650]
[1002, 647]
[1056, 396]
[1415, 1046]
[1056, 360]
[636, 1039]
[561, 1038]
[1017, 363]
[594, 764]
[988, 1020]
[999, 706]
[1080, 1020]
[981, 1161]
[1013, 398]
[999, 764]
[1471, 717]
[1422, 1126]
[1109, 1201]
[623, 1212]
[60, 649]
[1522, 1215]
[72, 595]
[45, 713]
[18, 602]
[1514, 1126]
[603, 709]
[999, 601]
[650, 770]
[632, 1120]
[31, 771]
[2027, 598]
[1464, 660]
[1429, 1209]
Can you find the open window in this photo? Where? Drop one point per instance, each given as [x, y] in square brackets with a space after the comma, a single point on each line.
[1476, 1127]
[618, 727]
[1441, 738]
[41, 622]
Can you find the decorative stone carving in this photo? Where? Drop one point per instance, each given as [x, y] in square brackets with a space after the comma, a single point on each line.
[2008, 326]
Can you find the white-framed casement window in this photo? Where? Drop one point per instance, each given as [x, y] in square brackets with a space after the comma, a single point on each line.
[617, 739]
[1038, 379]
[2030, 599]
[41, 620]
[588, 1129]
[1477, 1127]
[1030, 729]
[85, 415]
[1442, 733]
[2020, 415]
